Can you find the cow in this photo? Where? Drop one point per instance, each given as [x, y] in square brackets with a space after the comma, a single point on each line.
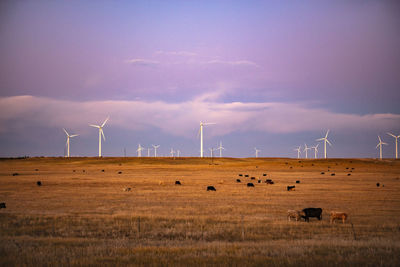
[178, 183]
[259, 181]
[238, 181]
[348, 174]
[291, 188]
[312, 212]
[250, 185]
[15, 174]
[246, 175]
[336, 215]
[332, 174]
[297, 182]
[211, 188]
[322, 173]
[269, 181]
[240, 175]
[253, 178]
[264, 174]
[295, 214]
[160, 183]
[119, 172]
[102, 170]
[127, 189]
[2, 205]
[378, 184]
[39, 183]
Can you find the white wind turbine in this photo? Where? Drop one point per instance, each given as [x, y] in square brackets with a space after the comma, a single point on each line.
[257, 150]
[220, 149]
[155, 149]
[201, 135]
[380, 146]
[325, 139]
[298, 151]
[101, 133]
[212, 151]
[68, 137]
[395, 137]
[306, 149]
[315, 150]
[139, 150]
[178, 153]
[172, 152]
[148, 151]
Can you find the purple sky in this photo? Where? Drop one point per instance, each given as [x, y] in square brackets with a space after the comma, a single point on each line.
[271, 75]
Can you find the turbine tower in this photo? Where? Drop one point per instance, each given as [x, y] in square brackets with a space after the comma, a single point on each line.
[148, 151]
[201, 135]
[178, 153]
[68, 137]
[315, 150]
[220, 149]
[139, 150]
[325, 139]
[172, 152]
[212, 151]
[155, 149]
[380, 146]
[306, 149]
[257, 150]
[101, 133]
[298, 151]
[395, 137]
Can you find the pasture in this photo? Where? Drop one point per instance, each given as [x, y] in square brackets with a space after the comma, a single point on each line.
[82, 214]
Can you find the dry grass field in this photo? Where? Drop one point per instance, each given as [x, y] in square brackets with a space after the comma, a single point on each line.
[82, 216]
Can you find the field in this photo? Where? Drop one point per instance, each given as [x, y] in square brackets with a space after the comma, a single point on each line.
[82, 216]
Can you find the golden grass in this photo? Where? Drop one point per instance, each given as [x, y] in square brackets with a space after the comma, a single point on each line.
[82, 216]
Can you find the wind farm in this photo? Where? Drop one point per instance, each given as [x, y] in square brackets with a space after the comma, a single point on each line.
[228, 133]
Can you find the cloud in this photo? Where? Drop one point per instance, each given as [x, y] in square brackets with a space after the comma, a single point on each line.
[233, 63]
[176, 53]
[181, 119]
[142, 62]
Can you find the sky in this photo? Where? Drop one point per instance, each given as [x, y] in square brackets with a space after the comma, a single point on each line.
[271, 74]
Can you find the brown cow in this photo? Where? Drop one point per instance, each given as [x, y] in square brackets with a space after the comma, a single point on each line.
[295, 214]
[337, 215]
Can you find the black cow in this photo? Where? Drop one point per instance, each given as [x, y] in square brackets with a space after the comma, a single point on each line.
[246, 175]
[240, 175]
[264, 174]
[15, 174]
[291, 188]
[119, 172]
[259, 181]
[332, 174]
[322, 173]
[378, 184]
[102, 170]
[178, 183]
[269, 181]
[2, 205]
[39, 183]
[238, 181]
[348, 174]
[211, 188]
[253, 178]
[297, 182]
[312, 212]
[250, 185]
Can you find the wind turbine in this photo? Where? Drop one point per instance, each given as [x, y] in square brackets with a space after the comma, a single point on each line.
[68, 137]
[257, 150]
[172, 152]
[139, 150]
[201, 135]
[380, 146]
[298, 151]
[325, 139]
[148, 151]
[178, 153]
[155, 149]
[211, 151]
[220, 149]
[315, 150]
[101, 133]
[305, 149]
[395, 137]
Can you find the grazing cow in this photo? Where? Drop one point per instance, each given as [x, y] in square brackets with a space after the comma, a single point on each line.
[253, 178]
[211, 188]
[295, 214]
[15, 174]
[291, 167]
[332, 174]
[240, 175]
[2, 205]
[178, 183]
[246, 175]
[297, 182]
[264, 174]
[36, 169]
[312, 212]
[39, 183]
[336, 215]
[160, 183]
[259, 181]
[127, 189]
[238, 181]
[119, 172]
[291, 188]
[347, 168]
[73, 170]
[378, 184]
[269, 181]
[250, 185]
[322, 173]
[348, 174]
[102, 170]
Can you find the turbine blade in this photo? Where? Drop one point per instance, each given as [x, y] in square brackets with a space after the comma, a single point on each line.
[96, 126]
[377, 145]
[73, 135]
[198, 133]
[209, 123]
[379, 139]
[326, 136]
[102, 133]
[392, 135]
[321, 139]
[104, 123]
[66, 132]
[328, 142]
